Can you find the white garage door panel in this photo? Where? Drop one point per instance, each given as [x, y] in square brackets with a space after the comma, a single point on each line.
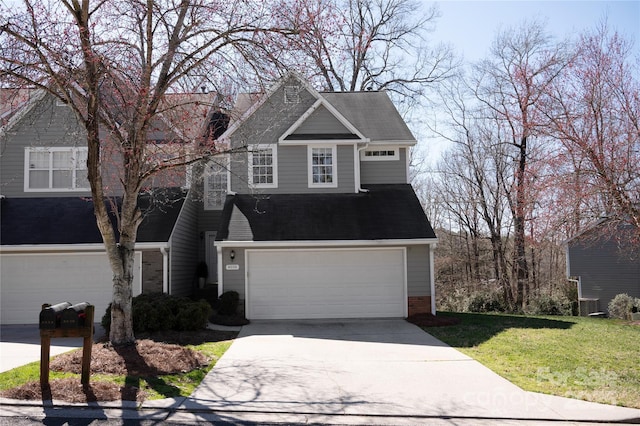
[28, 281]
[326, 283]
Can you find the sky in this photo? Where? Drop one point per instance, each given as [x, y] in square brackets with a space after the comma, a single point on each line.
[470, 27]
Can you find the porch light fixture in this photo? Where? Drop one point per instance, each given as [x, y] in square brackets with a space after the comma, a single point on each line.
[232, 254]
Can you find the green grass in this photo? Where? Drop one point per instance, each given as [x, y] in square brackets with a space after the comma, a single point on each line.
[168, 386]
[586, 358]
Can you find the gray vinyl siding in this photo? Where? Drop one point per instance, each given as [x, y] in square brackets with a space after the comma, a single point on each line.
[239, 228]
[44, 125]
[385, 172]
[418, 271]
[321, 121]
[234, 280]
[604, 272]
[271, 119]
[292, 170]
[184, 250]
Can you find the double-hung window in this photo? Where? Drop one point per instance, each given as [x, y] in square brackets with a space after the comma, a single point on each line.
[56, 169]
[263, 166]
[322, 166]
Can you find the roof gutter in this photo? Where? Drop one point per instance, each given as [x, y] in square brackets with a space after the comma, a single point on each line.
[329, 243]
[99, 247]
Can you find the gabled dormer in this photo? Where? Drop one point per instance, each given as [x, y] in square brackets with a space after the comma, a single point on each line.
[299, 140]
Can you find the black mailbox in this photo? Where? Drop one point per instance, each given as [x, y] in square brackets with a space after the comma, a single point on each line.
[74, 316]
[50, 316]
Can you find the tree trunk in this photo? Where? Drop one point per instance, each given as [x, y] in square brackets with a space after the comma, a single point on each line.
[121, 332]
[520, 254]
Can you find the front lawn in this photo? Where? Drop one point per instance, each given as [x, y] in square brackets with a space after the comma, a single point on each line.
[586, 358]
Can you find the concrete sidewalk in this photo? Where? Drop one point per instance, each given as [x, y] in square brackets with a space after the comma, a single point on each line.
[344, 372]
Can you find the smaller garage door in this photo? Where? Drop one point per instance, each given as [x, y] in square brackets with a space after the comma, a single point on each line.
[29, 280]
[336, 283]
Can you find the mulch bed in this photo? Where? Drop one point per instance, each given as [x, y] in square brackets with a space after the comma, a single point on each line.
[429, 320]
[153, 355]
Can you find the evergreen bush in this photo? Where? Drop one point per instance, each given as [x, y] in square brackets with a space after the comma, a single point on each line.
[155, 312]
[621, 306]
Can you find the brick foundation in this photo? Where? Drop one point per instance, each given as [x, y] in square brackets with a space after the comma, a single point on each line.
[419, 305]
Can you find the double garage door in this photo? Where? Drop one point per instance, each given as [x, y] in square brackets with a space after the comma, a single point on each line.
[29, 280]
[331, 283]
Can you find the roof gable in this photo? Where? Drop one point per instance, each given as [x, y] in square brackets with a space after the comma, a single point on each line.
[247, 111]
[334, 124]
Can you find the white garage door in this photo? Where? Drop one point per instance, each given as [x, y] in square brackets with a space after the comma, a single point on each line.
[337, 283]
[29, 280]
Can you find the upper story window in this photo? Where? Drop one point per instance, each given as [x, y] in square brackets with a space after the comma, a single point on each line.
[380, 154]
[215, 185]
[56, 169]
[291, 94]
[322, 167]
[263, 166]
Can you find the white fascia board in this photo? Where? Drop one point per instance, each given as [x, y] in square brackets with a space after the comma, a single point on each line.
[323, 142]
[35, 248]
[25, 108]
[329, 243]
[396, 144]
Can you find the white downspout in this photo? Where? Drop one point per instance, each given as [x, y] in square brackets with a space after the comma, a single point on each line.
[359, 187]
[165, 270]
[579, 284]
[432, 277]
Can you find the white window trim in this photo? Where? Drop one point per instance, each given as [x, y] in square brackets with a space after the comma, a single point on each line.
[274, 156]
[224, 163]
[334, 155]
[73, 150]
[394, 157]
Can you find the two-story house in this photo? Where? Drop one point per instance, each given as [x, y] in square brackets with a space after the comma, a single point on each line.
[50, 247]
[319, 218]
[310, 215]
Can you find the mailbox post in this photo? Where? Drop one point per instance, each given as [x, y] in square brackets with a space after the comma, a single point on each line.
[66, 320]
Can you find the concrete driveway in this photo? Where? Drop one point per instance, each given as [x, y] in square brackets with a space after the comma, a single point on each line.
[373, 370]
[336, 372]
[20, 344]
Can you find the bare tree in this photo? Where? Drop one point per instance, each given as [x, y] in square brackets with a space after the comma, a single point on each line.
[114, 63]
[368, 44]
[511, 84]
[472, 175]
[595, 111]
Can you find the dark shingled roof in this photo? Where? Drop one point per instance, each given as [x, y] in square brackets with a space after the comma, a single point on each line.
[385, 212]
[70, 220]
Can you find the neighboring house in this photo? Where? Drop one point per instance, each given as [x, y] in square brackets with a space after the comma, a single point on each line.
[319, 220]
[601, 269]
[50, 247]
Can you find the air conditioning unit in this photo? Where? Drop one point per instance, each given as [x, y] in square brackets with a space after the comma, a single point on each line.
[588, 306]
